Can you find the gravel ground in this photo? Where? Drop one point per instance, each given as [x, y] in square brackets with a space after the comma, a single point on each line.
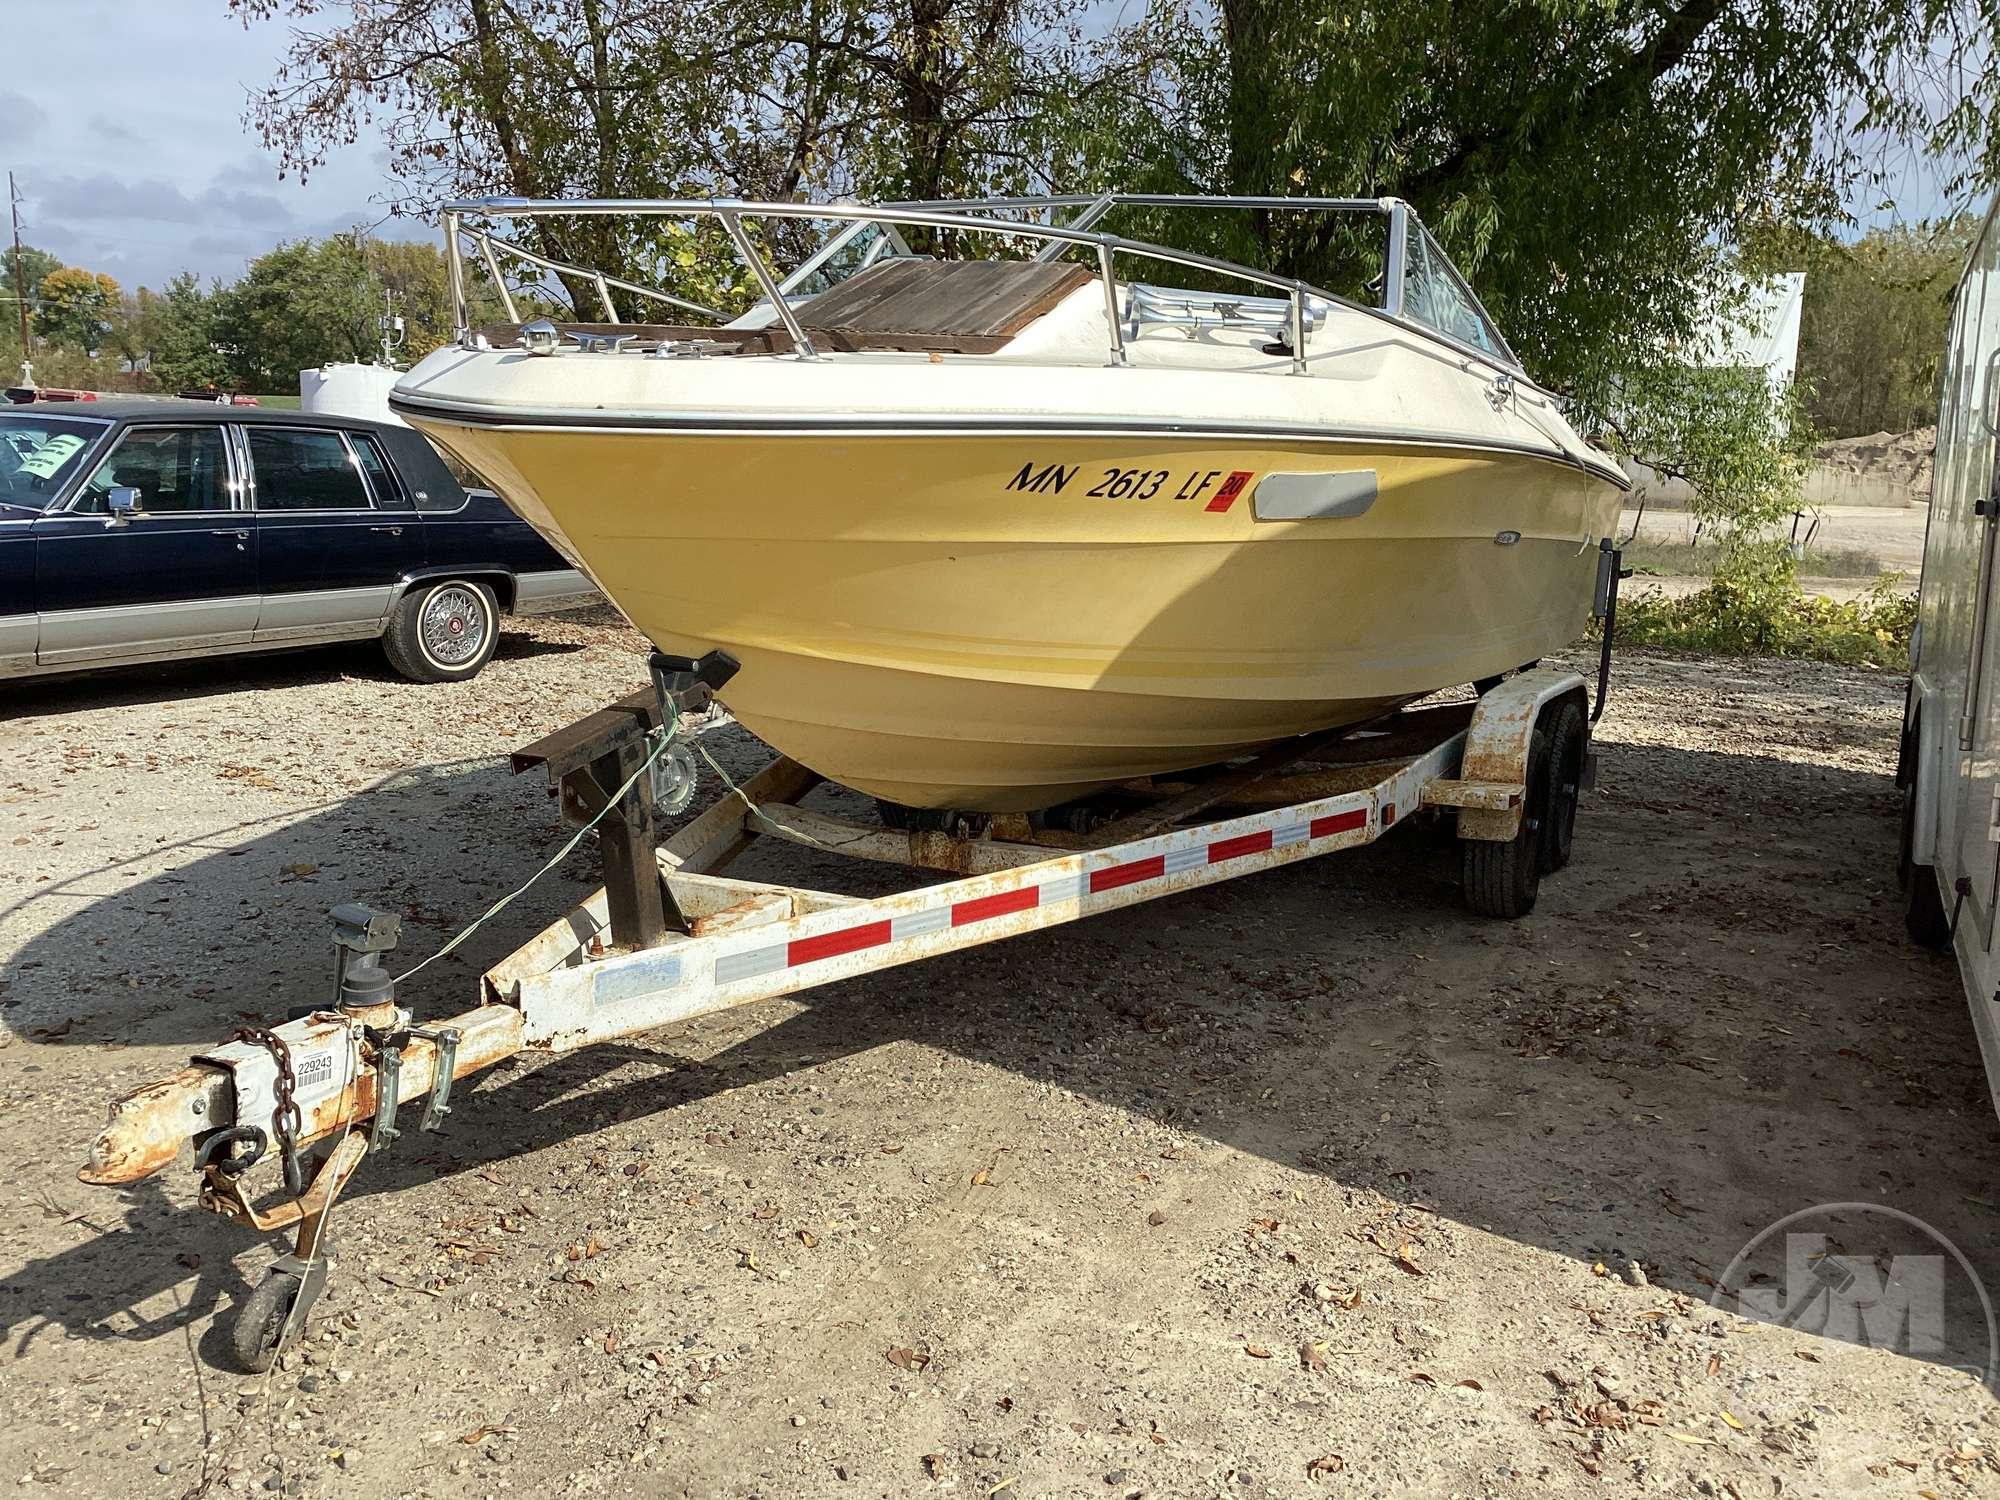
[1306, 1184]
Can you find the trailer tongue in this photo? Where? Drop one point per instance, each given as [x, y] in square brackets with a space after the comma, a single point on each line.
[670, 937]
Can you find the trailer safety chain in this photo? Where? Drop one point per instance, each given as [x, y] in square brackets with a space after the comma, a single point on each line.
[286, 1120]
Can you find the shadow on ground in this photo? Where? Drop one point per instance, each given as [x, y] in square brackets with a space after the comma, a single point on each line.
[53, 696]
[1710, 1021]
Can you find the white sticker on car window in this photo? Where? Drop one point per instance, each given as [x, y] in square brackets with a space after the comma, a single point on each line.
[52, 455]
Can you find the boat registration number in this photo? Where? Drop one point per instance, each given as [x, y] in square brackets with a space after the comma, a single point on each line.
[1218, 488]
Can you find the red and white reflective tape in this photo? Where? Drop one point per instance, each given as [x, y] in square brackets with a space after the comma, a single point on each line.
[1070, 885]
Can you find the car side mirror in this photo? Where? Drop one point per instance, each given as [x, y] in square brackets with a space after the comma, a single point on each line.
[122, 501]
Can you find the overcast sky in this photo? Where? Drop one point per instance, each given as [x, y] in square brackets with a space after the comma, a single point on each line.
[122, 120]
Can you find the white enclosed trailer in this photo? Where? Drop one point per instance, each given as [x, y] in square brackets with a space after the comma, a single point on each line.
[1949, 767]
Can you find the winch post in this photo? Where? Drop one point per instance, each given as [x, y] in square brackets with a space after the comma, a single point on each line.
[591, 759]
[587, 762]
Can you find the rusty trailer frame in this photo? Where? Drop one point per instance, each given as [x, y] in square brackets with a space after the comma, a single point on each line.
[682, 940]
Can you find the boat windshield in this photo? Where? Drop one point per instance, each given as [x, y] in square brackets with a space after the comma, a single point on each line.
[39, 455]
[852, 249]
[1436, 295]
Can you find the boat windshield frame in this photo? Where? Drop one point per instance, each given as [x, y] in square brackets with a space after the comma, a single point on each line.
[979, 216]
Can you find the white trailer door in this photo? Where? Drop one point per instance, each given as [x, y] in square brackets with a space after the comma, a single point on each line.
[1966, 436]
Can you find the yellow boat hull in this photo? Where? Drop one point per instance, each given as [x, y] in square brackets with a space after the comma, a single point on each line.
[1005, 622]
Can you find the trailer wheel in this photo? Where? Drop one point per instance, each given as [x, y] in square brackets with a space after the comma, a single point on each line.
[1502, 880]
[1567, 744]
[1924, 916]
[257, 1325]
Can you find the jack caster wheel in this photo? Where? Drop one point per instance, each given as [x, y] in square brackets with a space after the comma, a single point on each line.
[257, 1325]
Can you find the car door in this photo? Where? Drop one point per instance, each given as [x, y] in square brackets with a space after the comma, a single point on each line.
[175, 577]
[18, 627]
[335, 533]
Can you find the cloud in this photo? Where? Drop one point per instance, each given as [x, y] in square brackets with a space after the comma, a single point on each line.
[114, 132]
[21, 119]
[252, 170]
[101, 196]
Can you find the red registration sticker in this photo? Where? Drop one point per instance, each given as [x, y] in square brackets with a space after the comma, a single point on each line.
[1231, 488]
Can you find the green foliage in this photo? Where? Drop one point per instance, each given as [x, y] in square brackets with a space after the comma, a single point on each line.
[1763, 612]
[1739, 442]
[35, 264]
[316, 302]
[1873, 327]
[305, 303]
[75, 307]
[759, 99]
[178, 330]
[1594, 168]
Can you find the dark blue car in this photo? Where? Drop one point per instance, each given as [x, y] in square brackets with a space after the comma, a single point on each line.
[140, 530]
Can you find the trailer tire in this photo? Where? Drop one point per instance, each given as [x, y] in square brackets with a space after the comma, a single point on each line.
[1924, 916]
[257, 1324]
[1502, 879]
[1568, 743]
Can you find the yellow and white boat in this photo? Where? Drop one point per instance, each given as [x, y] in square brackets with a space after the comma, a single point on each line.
[991, 535]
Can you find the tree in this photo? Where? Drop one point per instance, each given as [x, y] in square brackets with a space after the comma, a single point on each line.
[1595, 170]
[35, 264]
[181, 336]
[1872, 330]
[75, 308]
[305, 303]
[316, 302]
[663, 98]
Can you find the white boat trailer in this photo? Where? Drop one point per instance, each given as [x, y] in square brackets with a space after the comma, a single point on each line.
[670, 937]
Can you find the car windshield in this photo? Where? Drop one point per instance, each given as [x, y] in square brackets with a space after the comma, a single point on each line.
[39, 456]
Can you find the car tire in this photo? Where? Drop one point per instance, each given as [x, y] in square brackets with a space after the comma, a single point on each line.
[443, 630]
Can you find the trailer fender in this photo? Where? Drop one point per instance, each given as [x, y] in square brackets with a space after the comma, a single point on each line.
[1491, 785]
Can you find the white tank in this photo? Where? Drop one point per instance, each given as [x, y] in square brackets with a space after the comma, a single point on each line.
[350, 391]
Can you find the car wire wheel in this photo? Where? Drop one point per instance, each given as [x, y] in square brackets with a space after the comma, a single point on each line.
[454, 625]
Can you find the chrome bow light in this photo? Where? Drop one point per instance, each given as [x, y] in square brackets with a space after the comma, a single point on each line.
[541, 337]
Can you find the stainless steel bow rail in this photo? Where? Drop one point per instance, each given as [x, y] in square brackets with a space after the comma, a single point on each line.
[671, 937]
[1407, 241]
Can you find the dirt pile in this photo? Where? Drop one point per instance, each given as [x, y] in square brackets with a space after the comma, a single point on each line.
[1904, 456]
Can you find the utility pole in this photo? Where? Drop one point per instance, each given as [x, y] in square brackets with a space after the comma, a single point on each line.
[20, 288]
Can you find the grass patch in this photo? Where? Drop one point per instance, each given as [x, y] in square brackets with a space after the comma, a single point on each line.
[1776, 618]
[1664, 559]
